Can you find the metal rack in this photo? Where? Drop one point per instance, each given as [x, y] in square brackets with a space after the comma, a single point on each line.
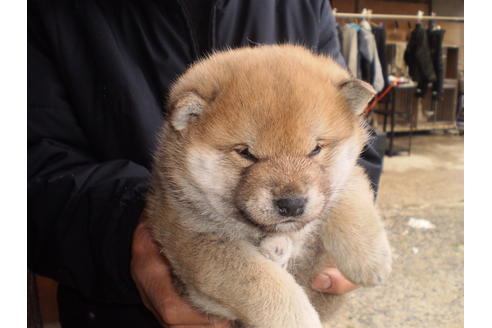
[367, 14]
[401, 106]
[407, 118]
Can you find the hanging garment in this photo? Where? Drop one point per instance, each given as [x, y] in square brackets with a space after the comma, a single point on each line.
[419, 60]
[380, 36]
[436, 37]
[349, 47]
[340, 39]
[397, 65]
[369, 65]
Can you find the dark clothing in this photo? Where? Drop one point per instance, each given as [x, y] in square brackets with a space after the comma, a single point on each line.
[366, 67]
[435, 44]
[369, 63]
[199, 12]
[98, 76]
[419, 60]
[380, 36]
[78, 312]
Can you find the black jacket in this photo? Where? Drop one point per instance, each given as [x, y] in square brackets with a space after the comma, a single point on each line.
[418, 58]
[98, 73]
[436, 38]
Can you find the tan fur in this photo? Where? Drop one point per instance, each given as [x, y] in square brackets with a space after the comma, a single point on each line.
[213, 211]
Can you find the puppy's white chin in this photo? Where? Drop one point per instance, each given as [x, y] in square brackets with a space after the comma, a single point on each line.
[282, 226]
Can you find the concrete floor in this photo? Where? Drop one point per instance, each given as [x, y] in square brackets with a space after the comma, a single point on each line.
[426, 286]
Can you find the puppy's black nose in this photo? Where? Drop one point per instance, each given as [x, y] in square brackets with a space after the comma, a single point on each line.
[290, 206]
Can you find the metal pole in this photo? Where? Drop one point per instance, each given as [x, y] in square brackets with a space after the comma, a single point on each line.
[400, 17]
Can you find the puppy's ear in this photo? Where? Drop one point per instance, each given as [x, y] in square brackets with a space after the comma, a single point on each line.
[186, 109]
[357, 94]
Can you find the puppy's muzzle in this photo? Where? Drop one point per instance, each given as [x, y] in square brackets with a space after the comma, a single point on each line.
[290, 207]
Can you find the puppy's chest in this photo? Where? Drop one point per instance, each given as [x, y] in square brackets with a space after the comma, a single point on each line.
[282, 249]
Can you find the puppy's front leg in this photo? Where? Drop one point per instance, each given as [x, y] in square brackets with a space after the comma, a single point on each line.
[258, 291]
[354, 234]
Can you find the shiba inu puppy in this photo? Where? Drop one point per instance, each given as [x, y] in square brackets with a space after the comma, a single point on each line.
[255, 186]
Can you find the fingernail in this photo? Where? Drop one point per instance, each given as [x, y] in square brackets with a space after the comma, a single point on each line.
[322, 282]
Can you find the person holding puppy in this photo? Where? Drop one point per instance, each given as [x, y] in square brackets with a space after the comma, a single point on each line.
[98, 75]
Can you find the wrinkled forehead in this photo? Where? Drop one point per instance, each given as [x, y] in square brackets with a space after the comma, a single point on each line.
[279, 115]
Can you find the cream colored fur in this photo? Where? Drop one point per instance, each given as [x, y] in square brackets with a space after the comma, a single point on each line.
[212, 206]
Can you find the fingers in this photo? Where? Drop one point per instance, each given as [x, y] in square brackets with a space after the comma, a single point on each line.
[179, 314]
[331, 281]
[151, 272]
[170, 306]
[174, 310]
[216, 323]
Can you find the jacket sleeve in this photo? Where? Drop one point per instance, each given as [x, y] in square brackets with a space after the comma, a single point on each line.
[423, 56]
[371, 158]
[329, 43]
[81, 211]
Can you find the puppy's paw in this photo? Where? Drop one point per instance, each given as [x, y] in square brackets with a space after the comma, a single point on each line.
[370, 268]
[376, 272]
[278, 249]
[302, 315]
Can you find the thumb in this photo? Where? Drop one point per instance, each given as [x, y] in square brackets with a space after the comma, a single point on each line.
[321, 283]
[332, 281]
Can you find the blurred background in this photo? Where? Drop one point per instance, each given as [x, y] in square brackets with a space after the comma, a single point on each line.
[421, 187]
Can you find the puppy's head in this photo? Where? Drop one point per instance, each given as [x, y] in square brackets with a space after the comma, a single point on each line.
[265, 135]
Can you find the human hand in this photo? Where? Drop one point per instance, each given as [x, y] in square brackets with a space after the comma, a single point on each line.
[151, 273]
[331, 281]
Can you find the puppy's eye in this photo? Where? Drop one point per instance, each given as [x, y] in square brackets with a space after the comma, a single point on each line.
[244, 152]
[315, 151]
